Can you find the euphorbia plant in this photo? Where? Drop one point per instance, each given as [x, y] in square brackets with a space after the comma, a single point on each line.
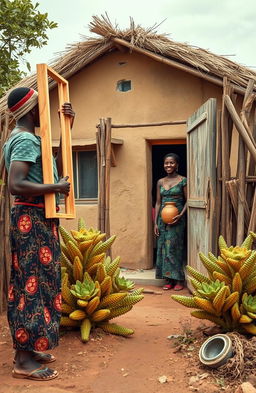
[227, 297]
[92, 291]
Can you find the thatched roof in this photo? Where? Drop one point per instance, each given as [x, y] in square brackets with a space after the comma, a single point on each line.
[196, 60]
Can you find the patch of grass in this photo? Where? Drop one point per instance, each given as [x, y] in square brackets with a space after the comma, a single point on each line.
[220, 382]
[184, 340]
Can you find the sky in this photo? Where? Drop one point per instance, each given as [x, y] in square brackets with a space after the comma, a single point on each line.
[225, 27]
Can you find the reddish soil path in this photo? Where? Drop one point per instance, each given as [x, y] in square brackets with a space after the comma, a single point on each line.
[113, 364]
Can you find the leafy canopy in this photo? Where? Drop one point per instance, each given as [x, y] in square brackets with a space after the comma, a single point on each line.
[22, 27]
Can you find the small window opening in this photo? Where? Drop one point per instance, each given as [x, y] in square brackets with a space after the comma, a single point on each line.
[124, 85]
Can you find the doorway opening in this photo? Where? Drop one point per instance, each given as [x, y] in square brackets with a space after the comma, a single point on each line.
[159, 150]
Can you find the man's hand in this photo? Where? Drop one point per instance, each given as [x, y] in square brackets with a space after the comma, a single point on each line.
[68, 111]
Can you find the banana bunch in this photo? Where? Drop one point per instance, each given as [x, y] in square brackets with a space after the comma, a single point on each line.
[92, 291]
[227, 297]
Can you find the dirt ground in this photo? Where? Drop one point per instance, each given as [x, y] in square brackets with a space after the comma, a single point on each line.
[113, 364]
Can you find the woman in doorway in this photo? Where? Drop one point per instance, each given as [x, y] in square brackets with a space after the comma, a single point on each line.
[171, 237]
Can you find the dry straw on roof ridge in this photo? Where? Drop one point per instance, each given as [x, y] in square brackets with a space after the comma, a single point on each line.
[148, 39]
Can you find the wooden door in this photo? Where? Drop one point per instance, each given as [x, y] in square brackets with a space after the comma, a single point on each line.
[201, 174]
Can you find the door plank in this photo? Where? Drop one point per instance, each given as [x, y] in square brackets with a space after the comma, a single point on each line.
[201, 158]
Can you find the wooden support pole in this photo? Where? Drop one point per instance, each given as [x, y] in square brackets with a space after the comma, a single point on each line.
[241, 167]
[99, 173]
[163, 123]
[107, 177]
[249, 98]
[219, 171]
[241, 171]
[102, 174]
[239, 126]
[225, 208]
[251, 168]
[252, 223]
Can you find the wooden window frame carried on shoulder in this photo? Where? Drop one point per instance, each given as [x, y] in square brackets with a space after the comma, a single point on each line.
[43, 72]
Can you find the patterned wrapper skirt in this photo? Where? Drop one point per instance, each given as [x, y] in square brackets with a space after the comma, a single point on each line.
[34, 301]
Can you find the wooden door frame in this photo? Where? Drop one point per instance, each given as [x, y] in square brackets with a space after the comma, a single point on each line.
[150, 143]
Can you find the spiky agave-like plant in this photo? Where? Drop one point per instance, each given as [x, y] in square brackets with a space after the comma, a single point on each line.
[92, 291]
[227, 297]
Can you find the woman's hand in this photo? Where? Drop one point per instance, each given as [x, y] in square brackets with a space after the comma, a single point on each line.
[63, 186]
[156, 230]
[175, 219]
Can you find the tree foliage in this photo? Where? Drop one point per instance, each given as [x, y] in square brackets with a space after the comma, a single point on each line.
[22, 27]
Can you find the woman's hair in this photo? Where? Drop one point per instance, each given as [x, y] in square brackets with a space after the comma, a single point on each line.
[173, 155]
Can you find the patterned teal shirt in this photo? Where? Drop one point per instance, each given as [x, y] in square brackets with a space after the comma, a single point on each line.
[25, 146]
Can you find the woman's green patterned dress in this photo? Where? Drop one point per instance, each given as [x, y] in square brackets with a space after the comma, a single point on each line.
[171, 240]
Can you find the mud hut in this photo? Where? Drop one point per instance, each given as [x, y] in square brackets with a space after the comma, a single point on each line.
[157, 96]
